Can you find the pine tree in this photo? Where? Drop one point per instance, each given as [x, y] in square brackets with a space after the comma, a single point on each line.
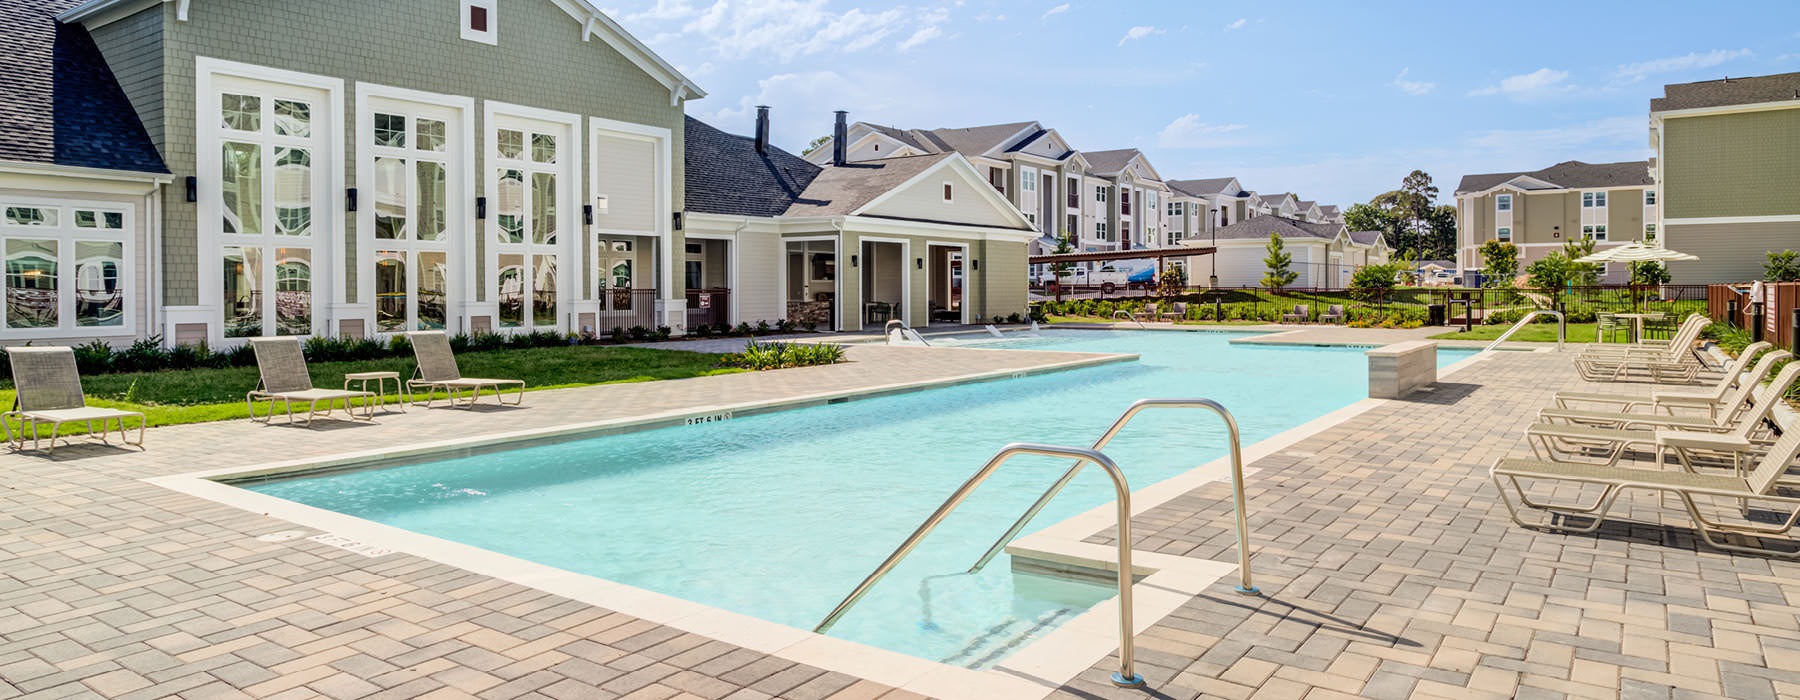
[1278, 275]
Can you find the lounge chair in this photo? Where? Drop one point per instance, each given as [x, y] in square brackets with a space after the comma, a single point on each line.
[1685, 336]
[48, 390]
[1176, 313]
[438, 371]
[1298, 315]
[1333, 314]
[1676, 363]
[283, 378]
[1719, 416]
[1759, 485]
[1735, 437]
[1707, 400]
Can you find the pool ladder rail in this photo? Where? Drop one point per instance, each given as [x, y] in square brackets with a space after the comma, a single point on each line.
[1126, 676]
[1562, 329]
[906, 332]
[1131, 316]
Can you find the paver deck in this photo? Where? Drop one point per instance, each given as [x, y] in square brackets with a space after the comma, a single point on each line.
[1390, 569]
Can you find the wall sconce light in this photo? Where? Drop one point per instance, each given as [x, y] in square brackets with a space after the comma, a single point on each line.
[677, 218]
[975, 265]
[587, 215]
[853, 261]
[350, 199]
[480, 207]
[193, 188]
[919, 262]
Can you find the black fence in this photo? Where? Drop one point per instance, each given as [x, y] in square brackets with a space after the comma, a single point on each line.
[1442, 305]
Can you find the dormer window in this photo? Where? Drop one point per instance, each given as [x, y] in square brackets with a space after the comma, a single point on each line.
[478, 21]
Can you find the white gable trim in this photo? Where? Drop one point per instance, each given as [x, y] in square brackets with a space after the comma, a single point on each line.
[999, 149]
[956, 162]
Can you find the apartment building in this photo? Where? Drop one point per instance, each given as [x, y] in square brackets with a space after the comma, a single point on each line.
[209, 171]
[1196, 208]
[1727, 169]
[1322, 254]
[1539, 211]
[1128, 200]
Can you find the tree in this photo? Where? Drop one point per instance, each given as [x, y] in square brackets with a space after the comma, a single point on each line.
[1061, 268]
[1499, 263]
[1442, 225]
[1582, 274]
[1550, 274]
[1171, 283]
[1649, 273]
[1409, 218]
[815, 144]
[1277, 262]
[1782, 267]
[1368, 217]
[1374, 282]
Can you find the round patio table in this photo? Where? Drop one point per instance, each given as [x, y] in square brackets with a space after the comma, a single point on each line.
[1637, 323]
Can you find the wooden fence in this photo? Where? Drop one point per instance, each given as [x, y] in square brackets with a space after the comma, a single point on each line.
[1770, 317]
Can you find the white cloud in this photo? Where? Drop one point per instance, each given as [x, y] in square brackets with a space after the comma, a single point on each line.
[802, 103]
[1412, 87]
[1611, 133]
[1538, 83]
[1634, 72]
[1136, 33]
[1239, 24]
[920, 37]
[1059, 9]
[1188, 131]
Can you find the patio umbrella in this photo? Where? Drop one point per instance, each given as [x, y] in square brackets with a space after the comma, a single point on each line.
[1636, 251]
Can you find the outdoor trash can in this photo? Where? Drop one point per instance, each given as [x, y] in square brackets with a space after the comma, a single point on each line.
[1436, 315]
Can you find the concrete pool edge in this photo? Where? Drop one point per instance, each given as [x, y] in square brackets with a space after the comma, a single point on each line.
[1033, 671]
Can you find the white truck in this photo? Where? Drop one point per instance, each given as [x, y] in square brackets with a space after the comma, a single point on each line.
[1108, 278]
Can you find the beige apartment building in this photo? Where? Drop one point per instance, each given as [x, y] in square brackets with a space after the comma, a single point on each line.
[1540, 211]
[1728, 164]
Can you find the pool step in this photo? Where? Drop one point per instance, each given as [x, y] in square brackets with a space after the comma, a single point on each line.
[1002, 639]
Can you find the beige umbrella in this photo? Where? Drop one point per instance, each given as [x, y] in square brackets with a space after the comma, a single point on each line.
[1636, 251]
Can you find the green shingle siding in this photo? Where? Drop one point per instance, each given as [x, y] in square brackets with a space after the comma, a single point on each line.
[133, 50]
[1745, 164]
[540, 61]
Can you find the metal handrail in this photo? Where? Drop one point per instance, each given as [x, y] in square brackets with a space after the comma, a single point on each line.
[906, 332]
[1126, 677]
[1237, 484]
[1129, 316]
[1562, 329]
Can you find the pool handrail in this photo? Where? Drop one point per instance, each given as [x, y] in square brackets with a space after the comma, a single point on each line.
[906, 333]
[1245, 586]
[1126, 676]
[1129, 316]
[1562, 329]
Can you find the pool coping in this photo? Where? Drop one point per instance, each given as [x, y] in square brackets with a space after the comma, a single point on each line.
[1036, 670]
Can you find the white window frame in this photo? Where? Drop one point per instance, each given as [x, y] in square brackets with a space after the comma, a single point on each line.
[66, 234]
[949, 192]
[1594, 214]
[1101, 194]
[459, 195]
[490, 36]
[213, 77]
[1503, 202]
[569, 230]
[1100, 232]
[663, 280]
[1504, 233]
[1650, 198]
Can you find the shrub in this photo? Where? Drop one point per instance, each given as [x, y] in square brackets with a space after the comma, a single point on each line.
[147, 355]
[1782, 266]
[94, 358]
[703, 330]
[762, 356]
[744, 328]
[618, 335]
[762, 327]
[664, 332]
[1014, 317]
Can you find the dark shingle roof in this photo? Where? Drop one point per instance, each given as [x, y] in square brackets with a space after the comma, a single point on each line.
[725, 174]
[1365, 237]
[1196, 188]
[1259, 227]
[1571, 174]
[975, 140]
[842, 189]
[902, 136]
[1109, 162]
[59, 102]
[1728, 91]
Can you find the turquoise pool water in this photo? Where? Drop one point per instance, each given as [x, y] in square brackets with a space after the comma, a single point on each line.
[779, 515]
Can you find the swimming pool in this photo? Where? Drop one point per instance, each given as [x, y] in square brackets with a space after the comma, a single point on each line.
[779, 515]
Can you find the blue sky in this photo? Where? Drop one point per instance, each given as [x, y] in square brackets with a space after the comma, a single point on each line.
[1336, 101]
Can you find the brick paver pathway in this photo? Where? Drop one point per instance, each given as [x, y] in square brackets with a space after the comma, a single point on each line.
[1391, 571]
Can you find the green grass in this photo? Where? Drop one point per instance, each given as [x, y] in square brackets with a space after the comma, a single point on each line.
[202, 395]
[1535, 332]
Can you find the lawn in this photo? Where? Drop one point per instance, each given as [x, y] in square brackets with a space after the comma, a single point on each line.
[1534, 332]
[200, 395]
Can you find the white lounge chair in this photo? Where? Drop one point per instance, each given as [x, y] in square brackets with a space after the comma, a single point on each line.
[1707, 400]
[1683, 339]
[1720, 415]
[47, 388]
[1761, 485]
[282, 377]
[1675, 364]
[1734, 438]
[437, 370]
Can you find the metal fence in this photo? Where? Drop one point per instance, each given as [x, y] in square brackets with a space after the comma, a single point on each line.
[1455, 305]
